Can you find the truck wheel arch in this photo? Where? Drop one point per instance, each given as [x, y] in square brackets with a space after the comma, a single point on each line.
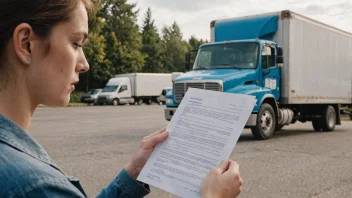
[269, 99]
[117, 101]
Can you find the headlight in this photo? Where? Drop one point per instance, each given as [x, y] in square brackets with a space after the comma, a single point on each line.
[110, 97]
[168, 101]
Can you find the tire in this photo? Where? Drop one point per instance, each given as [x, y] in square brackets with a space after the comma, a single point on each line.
[115, 102]
[266, 123]
[328, 121]
[316, 125]
[133, 102]
[138, 101]
[148, 101]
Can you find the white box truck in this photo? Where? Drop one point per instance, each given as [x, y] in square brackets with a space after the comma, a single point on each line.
[134, 88]
[299, 69]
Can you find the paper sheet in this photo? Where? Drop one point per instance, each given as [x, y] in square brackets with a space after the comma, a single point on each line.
[202, 133]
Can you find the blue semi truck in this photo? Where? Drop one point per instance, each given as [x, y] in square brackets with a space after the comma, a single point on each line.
[298, 69]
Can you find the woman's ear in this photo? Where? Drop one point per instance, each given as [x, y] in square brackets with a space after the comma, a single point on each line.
[22, 38]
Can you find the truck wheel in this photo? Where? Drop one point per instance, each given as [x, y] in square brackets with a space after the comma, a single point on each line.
[328, 121]
[266, 123]
[138, 101]
[148, 101]
[132, 102]
[316, 125]
[115, 102]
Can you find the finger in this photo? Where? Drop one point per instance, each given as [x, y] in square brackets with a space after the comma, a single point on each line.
[153, 140]
[223, 166]
[234, 168]
[157, 132]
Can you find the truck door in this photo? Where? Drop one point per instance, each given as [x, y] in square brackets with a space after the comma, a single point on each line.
[271, 72]
[124, 93]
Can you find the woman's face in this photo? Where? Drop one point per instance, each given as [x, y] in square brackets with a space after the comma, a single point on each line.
[53, 73]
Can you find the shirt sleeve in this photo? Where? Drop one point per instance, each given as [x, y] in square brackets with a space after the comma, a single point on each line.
[49, 188]
[125, 186]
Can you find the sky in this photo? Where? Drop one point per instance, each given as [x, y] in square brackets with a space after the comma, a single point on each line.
[194, 16]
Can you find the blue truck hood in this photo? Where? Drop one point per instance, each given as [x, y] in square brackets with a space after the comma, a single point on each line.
[228, 76]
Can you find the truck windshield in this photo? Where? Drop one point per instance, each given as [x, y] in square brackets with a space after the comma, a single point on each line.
[242, 55]
[110, 88]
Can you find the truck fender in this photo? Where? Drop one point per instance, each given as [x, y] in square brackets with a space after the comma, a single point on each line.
[270, 99]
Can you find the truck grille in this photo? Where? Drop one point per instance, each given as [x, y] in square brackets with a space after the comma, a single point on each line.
[181, 88]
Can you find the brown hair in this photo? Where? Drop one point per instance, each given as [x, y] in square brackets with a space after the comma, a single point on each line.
[42, 15]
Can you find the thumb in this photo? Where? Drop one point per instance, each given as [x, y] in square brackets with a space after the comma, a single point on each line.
[154, 140]
[234, 168]
[223, 166]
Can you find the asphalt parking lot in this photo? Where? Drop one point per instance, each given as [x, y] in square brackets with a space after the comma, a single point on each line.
[94, 143]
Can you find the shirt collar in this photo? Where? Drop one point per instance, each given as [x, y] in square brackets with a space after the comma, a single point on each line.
[15, 136]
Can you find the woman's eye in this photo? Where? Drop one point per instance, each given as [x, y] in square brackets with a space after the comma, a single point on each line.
[77, 45]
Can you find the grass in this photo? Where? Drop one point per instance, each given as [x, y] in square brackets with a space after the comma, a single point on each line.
[76, 97]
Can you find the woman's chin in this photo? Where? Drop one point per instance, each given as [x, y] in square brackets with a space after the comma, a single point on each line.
[58, 103]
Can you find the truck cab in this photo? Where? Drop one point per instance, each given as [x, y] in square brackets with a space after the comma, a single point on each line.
[250, 66]
[117, 91]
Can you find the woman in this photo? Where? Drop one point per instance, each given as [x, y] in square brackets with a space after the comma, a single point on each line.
[41, 57]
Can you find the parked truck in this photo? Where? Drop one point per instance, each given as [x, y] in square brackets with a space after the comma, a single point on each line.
[134, 88]
[297, 68]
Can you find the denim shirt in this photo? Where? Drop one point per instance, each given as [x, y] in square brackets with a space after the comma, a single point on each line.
[26, 170]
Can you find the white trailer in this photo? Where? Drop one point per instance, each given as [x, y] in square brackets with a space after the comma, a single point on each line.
[147, 84]
[134, 88]
[318, 62]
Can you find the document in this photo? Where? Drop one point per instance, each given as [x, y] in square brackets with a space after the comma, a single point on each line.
[202, 133]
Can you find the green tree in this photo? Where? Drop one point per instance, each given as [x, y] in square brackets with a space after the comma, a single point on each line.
[151, 45]
[95, 52]
[100, 70]
[123, 37]
[175, 48]
[194, 44]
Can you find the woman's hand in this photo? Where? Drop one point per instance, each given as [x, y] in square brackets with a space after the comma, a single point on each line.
[223, 181]
[141, 156]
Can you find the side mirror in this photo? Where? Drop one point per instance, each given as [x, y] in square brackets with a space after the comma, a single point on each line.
[279, 51]
[188, 61]
[280, 57]
[280, 60]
